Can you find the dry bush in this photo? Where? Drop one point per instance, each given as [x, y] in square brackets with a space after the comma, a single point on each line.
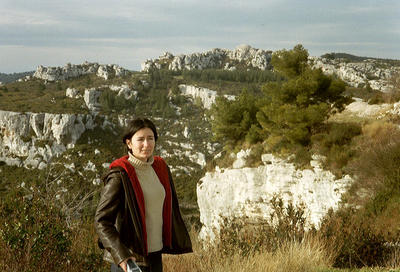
[368, 222]
[378, 160]
[243, 246]
[310, 254]
[394, 94]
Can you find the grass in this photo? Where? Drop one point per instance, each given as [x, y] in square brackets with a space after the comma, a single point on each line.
[38, 96]
[310, 255]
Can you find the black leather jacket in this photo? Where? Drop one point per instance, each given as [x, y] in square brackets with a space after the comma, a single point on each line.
[118, 224]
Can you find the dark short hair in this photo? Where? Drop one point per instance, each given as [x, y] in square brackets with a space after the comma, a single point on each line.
[136, 125]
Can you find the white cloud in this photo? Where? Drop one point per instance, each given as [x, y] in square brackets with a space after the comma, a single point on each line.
[22, 17]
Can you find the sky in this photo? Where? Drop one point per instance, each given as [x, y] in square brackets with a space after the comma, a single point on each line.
[127, 32]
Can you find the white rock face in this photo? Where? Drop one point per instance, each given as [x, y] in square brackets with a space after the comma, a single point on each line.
[91, 98]
[73, 71]
[124, 90]
[215, 58]
[247, 192]
[72, 93]
[206, 96]
[357, 74]
[32, 139]
[361, 108]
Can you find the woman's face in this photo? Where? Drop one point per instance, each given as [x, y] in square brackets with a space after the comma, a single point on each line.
[142, 144]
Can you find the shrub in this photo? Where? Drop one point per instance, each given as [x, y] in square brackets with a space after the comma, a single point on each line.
[33, 234]
[356, 242]
[335, 143]
[286, 223]
[363, 228]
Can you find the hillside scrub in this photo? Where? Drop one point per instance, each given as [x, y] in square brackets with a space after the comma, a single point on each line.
[287, 114]
[259, 246]
[365, 230]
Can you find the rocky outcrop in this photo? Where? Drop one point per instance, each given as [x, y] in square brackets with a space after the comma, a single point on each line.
[358, 74]
[32, 139]
[124, 90]
[72, 71]
[215, 58]
[72, 93]
[91, 98]
[370, 72]
[206, 96]
[246, 192]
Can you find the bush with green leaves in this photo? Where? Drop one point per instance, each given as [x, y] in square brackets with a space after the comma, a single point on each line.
[335, 142]
[293, 110]
[288, 113]
[33, 234]
[242, 75]
[233, 122]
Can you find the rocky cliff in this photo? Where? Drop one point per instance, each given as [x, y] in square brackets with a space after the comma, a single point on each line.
[33, 139]
[215, 58]
[72, 71]
[206, 96]
[246, 192]
[358, 74]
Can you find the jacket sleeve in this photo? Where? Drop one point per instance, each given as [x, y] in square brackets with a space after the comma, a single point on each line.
[181, 242]
[107, 212]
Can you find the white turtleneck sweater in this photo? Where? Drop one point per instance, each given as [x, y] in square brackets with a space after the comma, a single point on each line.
[154, 195]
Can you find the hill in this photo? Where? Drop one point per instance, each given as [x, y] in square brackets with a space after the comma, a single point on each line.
[60, 129]
[353, 58]
[6, 78]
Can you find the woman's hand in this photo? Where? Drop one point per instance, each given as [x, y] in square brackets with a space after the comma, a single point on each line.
[124, 263]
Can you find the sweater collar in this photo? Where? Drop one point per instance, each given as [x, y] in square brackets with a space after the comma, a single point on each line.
[139, 164]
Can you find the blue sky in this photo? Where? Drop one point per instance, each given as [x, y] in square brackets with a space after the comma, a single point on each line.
[127, 32]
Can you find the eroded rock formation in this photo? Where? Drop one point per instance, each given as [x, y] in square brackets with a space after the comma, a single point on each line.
[72, 71]
[246, 192]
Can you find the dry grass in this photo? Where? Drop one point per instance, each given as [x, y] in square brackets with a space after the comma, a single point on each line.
[309, 255]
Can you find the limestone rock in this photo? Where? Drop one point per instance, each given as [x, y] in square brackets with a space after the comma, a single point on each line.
[37, 137]
[206, 96]
[72, 93]
[124, 90]
[91, 98]
[215, 58]
[73, 71]
[247, 192]
[357, 74]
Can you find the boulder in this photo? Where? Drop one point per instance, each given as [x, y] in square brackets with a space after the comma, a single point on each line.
[72, 93]
[246, 192]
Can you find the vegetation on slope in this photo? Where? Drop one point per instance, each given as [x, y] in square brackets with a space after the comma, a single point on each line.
[270, 107]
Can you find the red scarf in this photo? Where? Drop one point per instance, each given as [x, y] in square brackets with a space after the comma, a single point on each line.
[160, 167]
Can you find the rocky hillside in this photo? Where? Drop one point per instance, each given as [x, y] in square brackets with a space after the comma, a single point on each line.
[6, 78]
[71, 117]
[357, 72]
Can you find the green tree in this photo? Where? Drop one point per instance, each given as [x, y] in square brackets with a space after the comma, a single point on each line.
[235, 121]
[293, 110]
[290, 63]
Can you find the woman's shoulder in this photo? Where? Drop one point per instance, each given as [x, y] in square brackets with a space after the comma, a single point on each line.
[158, 159]
[112, 173]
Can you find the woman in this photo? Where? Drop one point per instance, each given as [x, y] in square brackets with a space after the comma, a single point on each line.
[138, 214]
